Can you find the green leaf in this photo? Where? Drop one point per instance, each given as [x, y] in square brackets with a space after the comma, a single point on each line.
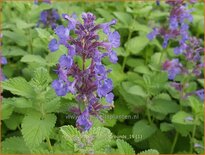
[12, 51]
[160, 142]
[21, 24]
[150, 151]
[142, 69]
[19, 86]
[124, 147]
[136, 44]
[142, 130]
[53, 57]
[43, 33]
[41, 78]
[6, 108]
[135, 90]
[125, 18]
[135, 103]
[133, 62]
[33, 58]
[201, 82]
[116, 70]
[100, 140]
[163, 106]
[13, 122]
[164, 127]
[17, 37]
[14, 145]
[70, 134]
[196, 105]
[182, 125]
[35, 128]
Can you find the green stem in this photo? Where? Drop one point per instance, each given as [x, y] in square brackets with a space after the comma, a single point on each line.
[148, 112]
[174, 142]
[149, 116]
[49, 144]
[192, 138]
[125, 58]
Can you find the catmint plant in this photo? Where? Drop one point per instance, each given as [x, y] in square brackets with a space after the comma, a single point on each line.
[89, 83]
[188, 47]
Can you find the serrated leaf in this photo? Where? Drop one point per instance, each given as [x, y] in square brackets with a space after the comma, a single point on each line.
[17, 37]
[150, 151]
[100, 140]
[13, 51]
[41, 78]
[70, 133]
[142, 69]
[136, 44]
[125, 18]
[13, 122]
[163, 106]
[19, 86]
[43, 34]
[143, 130]
[135, 103]
[14, 145]
[164, 127]
[35, 128]
[159, 139]
[33, 58]
[136, 90]
[182, 125]
[124, 147]
[6, 108]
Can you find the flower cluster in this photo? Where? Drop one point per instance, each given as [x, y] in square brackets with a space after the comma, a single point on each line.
[89, 82]
[190, 47]
[49, 18]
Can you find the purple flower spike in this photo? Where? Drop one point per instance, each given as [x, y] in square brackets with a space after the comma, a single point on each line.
[88, 83]
[49, 18]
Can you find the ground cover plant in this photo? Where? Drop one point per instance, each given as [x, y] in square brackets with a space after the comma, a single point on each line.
[102, 77]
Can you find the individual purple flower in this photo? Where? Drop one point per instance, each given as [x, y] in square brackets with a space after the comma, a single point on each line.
[49, 18]
[83, 122]
[153, 34]
[113, 57]
[109, 97]
[200, 93]
[90, 83]
[173, 67]
[65, 61]
[53, 45]
[60, 87]
[114, 39]
[3, 61]
[72, 21]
